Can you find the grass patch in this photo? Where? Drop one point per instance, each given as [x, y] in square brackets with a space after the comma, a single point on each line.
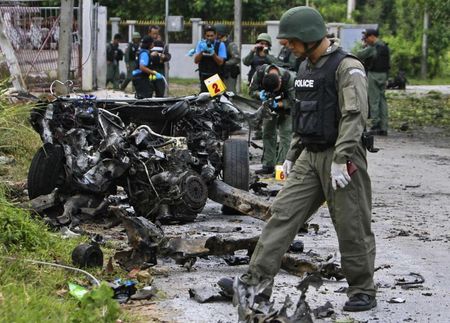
[443, 80]
[432, 109]
[39, 293]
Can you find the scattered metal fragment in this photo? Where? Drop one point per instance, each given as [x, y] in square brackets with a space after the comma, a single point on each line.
[147, 292]
[427, 294]
[236, 260]
[206, 294]
[323, 311]
[383, 267]
[342, 290]
[42, 202]
[396, 300]
[244, 298]
[418, 279]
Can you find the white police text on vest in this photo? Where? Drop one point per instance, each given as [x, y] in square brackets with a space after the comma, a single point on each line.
[304, 83]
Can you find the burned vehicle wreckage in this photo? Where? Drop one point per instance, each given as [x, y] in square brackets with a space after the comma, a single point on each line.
[163, 152]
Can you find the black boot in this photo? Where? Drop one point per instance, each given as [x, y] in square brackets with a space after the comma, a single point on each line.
[265, 170]
[360, 302]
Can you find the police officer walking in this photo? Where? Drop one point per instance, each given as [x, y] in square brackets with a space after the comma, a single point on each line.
[231, 68]
[375, 56]
[275, 86]
[330, 114]
[130, 58]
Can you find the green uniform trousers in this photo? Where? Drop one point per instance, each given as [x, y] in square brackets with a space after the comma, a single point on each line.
[230, 83]
[279, 125]
[306, 188]
[377, 100]
[112, 75]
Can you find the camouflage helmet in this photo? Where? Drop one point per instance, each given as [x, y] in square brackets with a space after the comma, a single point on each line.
[266, 37]
[221, 29]
[136, 35]
[303, 23]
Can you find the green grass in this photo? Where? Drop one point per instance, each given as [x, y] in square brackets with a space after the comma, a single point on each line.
[432, 109]
[435, 81]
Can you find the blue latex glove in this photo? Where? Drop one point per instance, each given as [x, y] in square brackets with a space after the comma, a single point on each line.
[263, 95]
[211, 50]
[274, 104]
[202, 46]
[191, 52]
[159, 76]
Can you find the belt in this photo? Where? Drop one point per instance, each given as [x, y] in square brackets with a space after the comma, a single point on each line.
[315, 148]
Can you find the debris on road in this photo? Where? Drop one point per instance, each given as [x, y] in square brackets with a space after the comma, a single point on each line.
[396, 300]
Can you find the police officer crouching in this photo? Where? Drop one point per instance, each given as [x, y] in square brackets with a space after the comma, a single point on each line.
[329, 117]
[274, 86]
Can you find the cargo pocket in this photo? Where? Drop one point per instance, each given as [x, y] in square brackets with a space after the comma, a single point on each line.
[308, 118]
[351, 104]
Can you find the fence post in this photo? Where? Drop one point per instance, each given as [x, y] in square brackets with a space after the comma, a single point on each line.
[272, 30]
[114, 26]
[131, 29]
[196, 30]
[102, 20]
[87, 68]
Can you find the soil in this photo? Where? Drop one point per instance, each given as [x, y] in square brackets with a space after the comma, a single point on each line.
[411, 220]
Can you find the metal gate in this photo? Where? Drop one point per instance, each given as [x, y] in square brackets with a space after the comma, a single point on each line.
[34, 35]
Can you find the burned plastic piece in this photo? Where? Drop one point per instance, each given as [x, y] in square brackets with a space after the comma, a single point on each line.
[418, 279]
[87, 255]
[297, 246]
[123, 290]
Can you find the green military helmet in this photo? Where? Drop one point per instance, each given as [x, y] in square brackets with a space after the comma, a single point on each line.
[303, 23]
[221, 29]
[266, 37]
[136, 35]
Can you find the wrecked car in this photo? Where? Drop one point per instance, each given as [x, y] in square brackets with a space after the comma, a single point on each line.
[163, 152]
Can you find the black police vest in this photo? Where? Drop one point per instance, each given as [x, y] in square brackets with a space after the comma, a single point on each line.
[316, 114]
[138, 59]
[133, 52]
[381, 62]
[207, 65]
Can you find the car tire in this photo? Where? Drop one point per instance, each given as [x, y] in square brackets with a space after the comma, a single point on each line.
[236, 170]
[46, 171]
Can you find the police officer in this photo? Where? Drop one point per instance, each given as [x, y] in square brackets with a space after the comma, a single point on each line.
[275, 85]
[113, 56]
[259, 54]
[130, 58]
[210, 54]
[375, 56]
[329, 117]
[286, 59]
[142, 73]
[231, 68]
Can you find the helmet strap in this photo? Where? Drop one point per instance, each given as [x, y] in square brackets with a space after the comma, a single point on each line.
[309, 50]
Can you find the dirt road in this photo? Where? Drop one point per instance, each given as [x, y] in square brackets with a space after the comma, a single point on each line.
[411, 220]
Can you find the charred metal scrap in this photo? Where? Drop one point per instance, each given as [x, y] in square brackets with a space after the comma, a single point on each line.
[163, 152]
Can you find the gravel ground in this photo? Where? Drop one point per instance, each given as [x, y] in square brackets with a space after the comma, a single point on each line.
[411, 215]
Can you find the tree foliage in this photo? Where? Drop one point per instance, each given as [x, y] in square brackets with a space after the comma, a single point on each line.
[400, 21]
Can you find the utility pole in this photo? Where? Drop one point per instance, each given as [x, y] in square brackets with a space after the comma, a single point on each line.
[166, 39]
[351, 4]
[424, 60]
[65, 44]
[237, 32]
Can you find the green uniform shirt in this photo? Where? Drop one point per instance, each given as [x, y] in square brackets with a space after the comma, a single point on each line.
[351, 85]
